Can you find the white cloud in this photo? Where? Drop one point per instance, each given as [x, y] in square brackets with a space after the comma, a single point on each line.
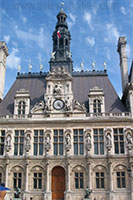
[88, 18]
[13, 60]
[40, 38]
[112, 34]
[91, 40]
[24, 19]
[6, 38]
[72, 20]
[123, 10]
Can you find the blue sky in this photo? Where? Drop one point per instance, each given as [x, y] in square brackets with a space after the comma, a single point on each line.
[95, 25]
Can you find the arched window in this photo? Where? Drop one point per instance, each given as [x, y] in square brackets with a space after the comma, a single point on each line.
[121, 176]
[96, 106]
[21, 108]
[79, 177]
[18, 177]
[100, 177]
[37, 175]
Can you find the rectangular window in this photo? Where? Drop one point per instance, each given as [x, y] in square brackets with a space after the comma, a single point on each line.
[2, 142]
[119, 141]
[37, 180]
[99, 180]
[98, 142]
[0, 178]
[38, 142]
[17, 180]
[19, 143]
[78, 142]
[79, 180]
[58, 142]
[121, 180]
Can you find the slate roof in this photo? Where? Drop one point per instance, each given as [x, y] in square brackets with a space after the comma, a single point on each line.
[82, 83]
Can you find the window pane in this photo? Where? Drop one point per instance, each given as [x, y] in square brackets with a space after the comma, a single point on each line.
[21, 150]
[97, 183]
[96, 148]
[60, 149]
[81, 149]
[102, 182]
[35, 149]
[76, 149]
[101, 148]
[55, 149]
[40, 149]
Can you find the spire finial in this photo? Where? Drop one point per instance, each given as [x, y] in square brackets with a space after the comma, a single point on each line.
[62, 5]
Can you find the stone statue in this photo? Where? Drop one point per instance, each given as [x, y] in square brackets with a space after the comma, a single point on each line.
[53, 55]
[87, 193]
[68, 140]
[47, 140]
[129, 139]
[8, 141]
[27, 144]
[109, 139]
[17, 192]
[88, 142]
[58, 89]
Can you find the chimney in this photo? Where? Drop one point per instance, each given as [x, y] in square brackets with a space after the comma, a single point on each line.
[123, 61]
[3, 56]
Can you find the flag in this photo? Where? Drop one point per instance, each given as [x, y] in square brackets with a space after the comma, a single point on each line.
[2, 188]
[58, 34]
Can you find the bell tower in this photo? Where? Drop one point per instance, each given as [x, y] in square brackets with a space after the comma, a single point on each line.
[61, 55]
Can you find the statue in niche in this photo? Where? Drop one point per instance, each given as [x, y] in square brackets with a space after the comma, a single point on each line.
[129, 138]
[47, 143]
[58, 89]
[28, 145]
[109, 139]
[88, 142]
[8, 141]
[68, 142]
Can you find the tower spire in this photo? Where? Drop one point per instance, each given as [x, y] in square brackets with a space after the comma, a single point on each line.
[61, 55]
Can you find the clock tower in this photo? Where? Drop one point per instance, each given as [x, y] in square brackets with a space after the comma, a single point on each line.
[61, 55]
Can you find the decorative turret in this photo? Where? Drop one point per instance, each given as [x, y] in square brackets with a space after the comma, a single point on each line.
[123, 61]
[3, 56]
[61, 55]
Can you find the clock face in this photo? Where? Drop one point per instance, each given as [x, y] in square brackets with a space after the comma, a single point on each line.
[58, 104]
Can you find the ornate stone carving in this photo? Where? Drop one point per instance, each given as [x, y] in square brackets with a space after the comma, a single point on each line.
[68, 142]
[78, 106]
[38, 106]
[27, 143]
[8, 143]
[129, 137]
[88, 142]
[58, 89]
[108, 133]
[58, 72]
[47, 143]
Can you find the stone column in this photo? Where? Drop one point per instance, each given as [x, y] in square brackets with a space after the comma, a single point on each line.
[47, 177]
[68, 178]
[110, 179]
[132, 181]
[26, 176]
[6, 174]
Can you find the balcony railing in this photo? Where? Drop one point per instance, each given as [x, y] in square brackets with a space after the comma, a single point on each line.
[88, 115]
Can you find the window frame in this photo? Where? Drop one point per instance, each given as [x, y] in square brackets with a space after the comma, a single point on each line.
[121, 180]
[96, 106]
[21, 107]
[119, 143]
[58, 142]
[2, 142]
[38, 143]
[78, 180]
[19, 143]
[99, 148]
[78, 141]
[17, 180]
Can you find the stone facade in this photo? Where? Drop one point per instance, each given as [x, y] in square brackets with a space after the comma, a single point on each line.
[62, 132]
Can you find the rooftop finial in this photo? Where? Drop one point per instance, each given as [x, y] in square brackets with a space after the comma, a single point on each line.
[105, 66]
[30, 67]
[82, 66]
[62, 4]
[19, 68]
[93, 65]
